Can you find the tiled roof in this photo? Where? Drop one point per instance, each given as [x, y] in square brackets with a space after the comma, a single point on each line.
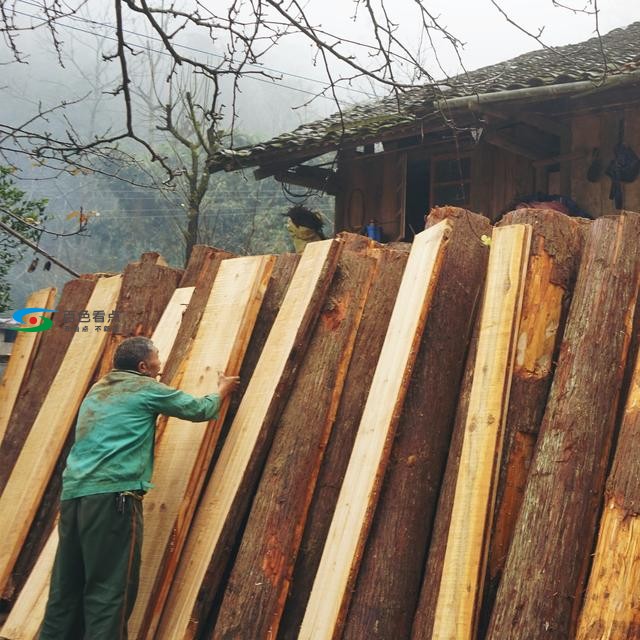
[560, 65]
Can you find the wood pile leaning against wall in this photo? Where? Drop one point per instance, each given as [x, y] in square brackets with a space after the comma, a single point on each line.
[430, 441]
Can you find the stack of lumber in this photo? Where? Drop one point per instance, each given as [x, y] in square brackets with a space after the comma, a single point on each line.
[435, 440]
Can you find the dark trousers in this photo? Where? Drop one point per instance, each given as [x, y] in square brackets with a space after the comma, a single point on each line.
[95, 576]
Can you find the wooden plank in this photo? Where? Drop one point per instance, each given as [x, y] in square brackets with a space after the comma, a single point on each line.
[200, 273]
[25, 618]
[388, 583]
[371, 332]
[184, 449]
[257, 588]
[168, 326]
[22, 355]
[611, 608]
[343, 549]
[27, 612]
[566, 482]
[237, 470]
[556, 249]
[465, 556]
[22, 493]
[53, 346]
[146, 290]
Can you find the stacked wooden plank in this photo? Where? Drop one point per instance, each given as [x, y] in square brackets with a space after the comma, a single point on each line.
[418, 449]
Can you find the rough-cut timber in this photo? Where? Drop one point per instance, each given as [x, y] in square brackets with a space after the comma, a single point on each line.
[460, 586]
[228, 493]
[258, 585]
[556, 249]
[611, 608]
[371, 332]
[22, 354]
[146, 290]
[343, 548]
[200, 273]
[388, 582]
[27, 483]
[184, 449]
[546, 570]
[27, 613]
[53, 346]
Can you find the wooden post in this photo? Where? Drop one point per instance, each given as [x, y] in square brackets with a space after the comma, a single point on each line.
[459, 592]
[22, 354]
[556, 249]
[611, 607]
[388, 584]
[546, 569]
[258, 585]
[30, 475]
[230, 488]
[343, 548]
[371, 332]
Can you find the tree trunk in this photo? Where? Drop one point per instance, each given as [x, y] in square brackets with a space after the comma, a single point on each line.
[547, 565]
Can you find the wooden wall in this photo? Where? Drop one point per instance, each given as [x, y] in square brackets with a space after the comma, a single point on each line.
[374, 188]
[600, 131]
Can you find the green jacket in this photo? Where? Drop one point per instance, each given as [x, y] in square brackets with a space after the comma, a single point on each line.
[115, 432]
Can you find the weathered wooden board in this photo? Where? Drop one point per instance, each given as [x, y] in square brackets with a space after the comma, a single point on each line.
[27, 483]
[546, 569]
[371, 332]
[343, 548]
[22, 354]
[184, 449]
[27, 612]
[388, 584]
[465, 557]
[611, 608]
[556, 249]
[257, 588]
[237, 470]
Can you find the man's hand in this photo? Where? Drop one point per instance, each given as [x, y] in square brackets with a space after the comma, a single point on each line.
[227, 384]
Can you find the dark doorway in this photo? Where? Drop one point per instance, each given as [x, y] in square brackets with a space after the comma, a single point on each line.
[417, 198]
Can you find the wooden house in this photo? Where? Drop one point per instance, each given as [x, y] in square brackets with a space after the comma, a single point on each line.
[546, 122]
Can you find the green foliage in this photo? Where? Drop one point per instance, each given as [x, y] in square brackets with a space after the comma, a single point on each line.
[14, 209]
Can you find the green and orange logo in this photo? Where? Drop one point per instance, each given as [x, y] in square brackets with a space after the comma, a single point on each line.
[32, 322]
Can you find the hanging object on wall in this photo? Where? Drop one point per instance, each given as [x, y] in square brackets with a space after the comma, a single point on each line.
[624, 167]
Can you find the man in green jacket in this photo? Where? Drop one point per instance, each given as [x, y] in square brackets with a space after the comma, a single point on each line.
[95, 576]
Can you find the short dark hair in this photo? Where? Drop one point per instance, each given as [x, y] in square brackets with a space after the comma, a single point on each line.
[131, 352]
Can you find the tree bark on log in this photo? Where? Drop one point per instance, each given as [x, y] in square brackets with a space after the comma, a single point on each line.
[546, 570]
[51, 352]
[611, 608]
[553, 266]
[227, 496]
[257, 588]
[329, 599]
[368, 344]
[388, 583]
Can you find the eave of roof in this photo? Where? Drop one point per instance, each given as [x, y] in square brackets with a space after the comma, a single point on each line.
[581, 66]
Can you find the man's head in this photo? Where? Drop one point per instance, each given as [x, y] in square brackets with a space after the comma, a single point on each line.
[137, 354]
